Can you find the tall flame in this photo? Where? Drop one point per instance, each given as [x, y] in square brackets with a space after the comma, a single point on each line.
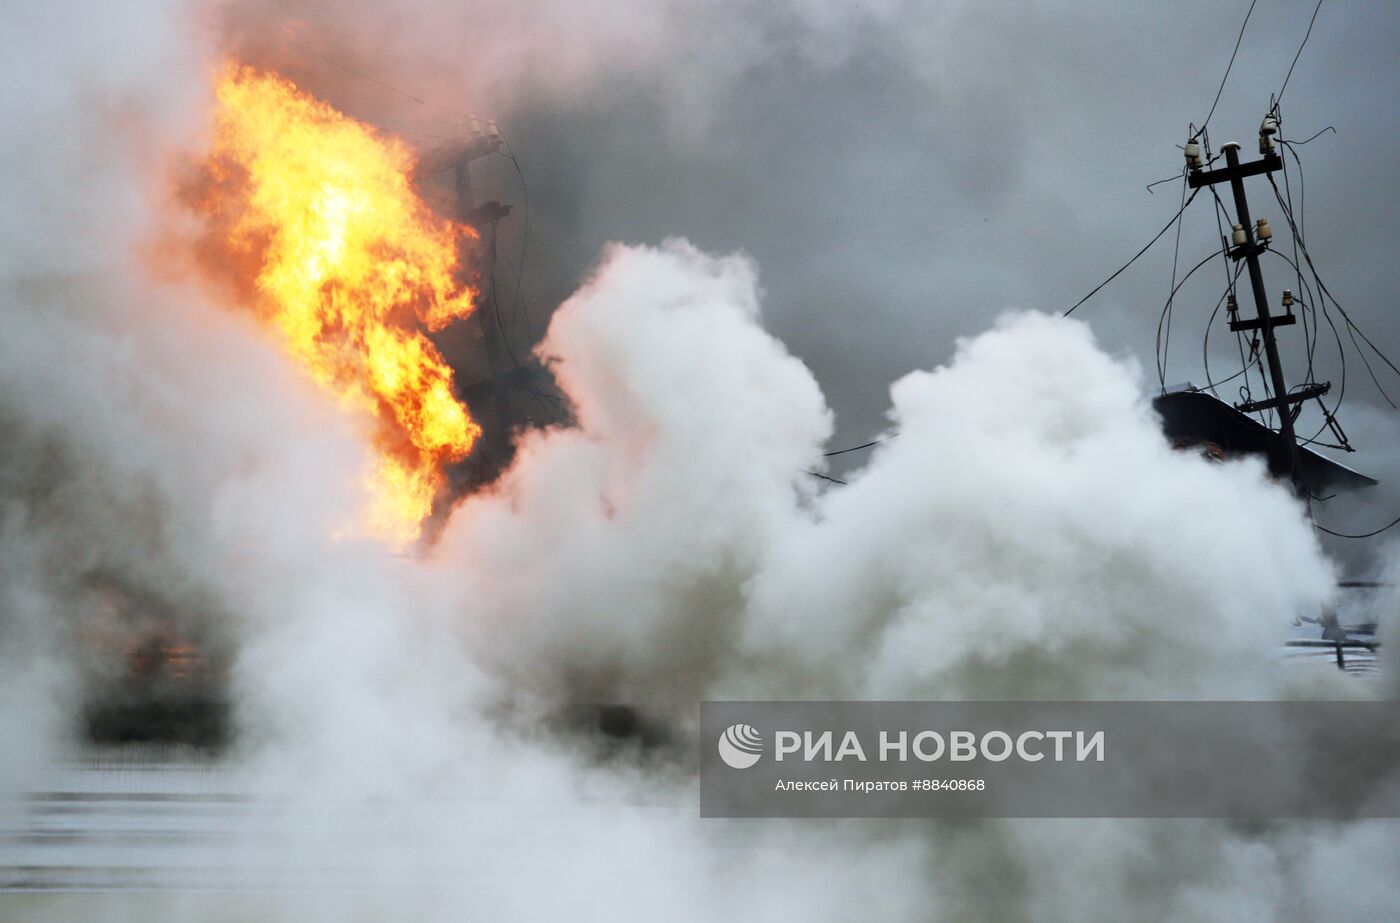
[351, 267]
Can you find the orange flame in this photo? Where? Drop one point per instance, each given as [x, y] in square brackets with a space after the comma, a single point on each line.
[351, 267]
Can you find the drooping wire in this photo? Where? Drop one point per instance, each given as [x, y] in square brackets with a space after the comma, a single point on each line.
[1390, 525]
[1156, 237]
[1161, 320]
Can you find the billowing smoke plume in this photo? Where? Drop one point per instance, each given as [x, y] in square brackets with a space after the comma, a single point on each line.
[1024, 531]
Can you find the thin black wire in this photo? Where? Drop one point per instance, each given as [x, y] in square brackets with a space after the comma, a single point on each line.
[1205, 340]
[1310, 306]
[1165, 346]
[1168, 179]
[1342, 390]
[857, 448]
[524, 239]
[538, 400]
[1158, 236]
[1299, 54]
[543, 396]
[817, 474]
[1311, 332]
[1308, 340]
[1162, 318]
[1392, 524]
[1221, 89]
[1164, 343]
[392, 89]
[1315, 136]
[496, 301]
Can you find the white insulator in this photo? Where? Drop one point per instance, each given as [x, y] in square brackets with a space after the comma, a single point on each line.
[1237, 235]
[1267, 129]
[1262, 229]
[1193, 153]
[1288, 298]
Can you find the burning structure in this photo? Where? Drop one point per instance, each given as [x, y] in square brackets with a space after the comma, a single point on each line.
[313, 218]
[333, 235]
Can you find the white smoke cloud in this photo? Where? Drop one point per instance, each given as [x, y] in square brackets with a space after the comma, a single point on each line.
[1029, 533]
[611, 560]
[666, 549]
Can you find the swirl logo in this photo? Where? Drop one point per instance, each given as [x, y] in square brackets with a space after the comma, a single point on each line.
[740, 746]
